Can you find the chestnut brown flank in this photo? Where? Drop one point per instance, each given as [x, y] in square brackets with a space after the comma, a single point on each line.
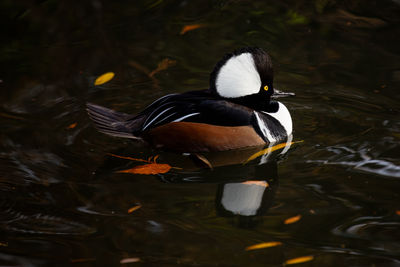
[196, 137]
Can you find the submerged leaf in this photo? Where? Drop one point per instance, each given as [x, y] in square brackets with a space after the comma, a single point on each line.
[299, 260]
[152, 168]
[72, 126]
[129, 260]
[163, 65]
[263, 245]
[292, 219]
[104, 78]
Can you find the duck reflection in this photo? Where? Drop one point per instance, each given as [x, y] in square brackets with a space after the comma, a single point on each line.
[247, 181]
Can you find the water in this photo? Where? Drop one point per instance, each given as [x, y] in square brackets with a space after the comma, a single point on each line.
[63, 202]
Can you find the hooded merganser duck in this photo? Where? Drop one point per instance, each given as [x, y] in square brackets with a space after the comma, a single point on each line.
[237, 110]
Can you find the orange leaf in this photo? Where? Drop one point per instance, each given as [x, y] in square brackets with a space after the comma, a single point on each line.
[398, 212]
[134, 208]
[129, 260]
[292, 219]
[299, 260]
[264, 245]
[259, 183]
[72, 126]
[152, 168]
[191, 27]
[104, 78]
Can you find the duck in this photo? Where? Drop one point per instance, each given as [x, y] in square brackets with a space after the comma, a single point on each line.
[238, 110]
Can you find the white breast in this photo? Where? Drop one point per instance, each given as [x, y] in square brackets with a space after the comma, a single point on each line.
[283, 116]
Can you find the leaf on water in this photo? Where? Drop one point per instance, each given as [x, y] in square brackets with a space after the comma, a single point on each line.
[129, 260]
[292, 219]
[264, 245]
[163, 65]
[269, 150]
[299, 260]
[104, 78]
[259, 183]
[191, 27]
[134, 208]
[152, 168]
[72, 126]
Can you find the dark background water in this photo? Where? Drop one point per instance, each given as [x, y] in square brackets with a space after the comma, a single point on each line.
[62, 202]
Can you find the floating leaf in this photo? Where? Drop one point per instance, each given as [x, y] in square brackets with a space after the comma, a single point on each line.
[269, 150]
[104, 78]
[129, 260]
[191, 27]
[134, 208]
[293, 219]
[72, 126]
[299, 260]
[264, 245]
[152, 168]
[259, 183]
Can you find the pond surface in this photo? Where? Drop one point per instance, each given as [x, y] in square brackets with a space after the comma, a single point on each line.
[63, 201]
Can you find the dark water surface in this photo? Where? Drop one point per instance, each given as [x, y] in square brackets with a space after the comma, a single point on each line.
[63, 202]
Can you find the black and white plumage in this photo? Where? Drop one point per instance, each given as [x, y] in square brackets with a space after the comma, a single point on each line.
[239, 97]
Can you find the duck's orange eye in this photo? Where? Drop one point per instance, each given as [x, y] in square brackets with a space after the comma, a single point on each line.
[266, 88]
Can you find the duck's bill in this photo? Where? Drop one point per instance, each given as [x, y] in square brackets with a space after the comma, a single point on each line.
[279, 94]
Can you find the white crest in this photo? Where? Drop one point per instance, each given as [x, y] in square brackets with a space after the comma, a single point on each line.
[238, 77]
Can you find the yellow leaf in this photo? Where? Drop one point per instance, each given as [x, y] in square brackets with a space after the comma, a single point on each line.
[299, 260]
[104, 78]
[269, 150]
[129, 260]
[264, 245]
[134, 208]
[292, 219]
[191, 27]
[259, 183]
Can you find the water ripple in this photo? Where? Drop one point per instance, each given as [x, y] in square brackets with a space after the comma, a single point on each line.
[358, 159]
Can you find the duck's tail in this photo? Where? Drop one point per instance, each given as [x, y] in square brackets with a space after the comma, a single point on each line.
[113, 123]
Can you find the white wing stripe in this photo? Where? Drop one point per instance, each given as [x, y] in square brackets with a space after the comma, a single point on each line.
[145, 126]
[184, 117]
